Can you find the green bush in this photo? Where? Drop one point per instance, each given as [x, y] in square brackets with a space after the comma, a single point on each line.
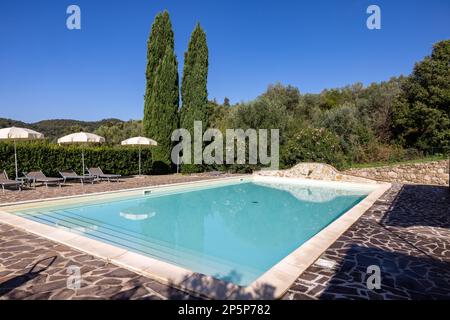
[51, 157]
[354, 134]
[313, 145]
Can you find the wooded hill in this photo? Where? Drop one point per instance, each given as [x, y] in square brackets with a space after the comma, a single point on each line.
[55, 128]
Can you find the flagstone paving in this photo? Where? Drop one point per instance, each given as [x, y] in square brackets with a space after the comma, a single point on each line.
[36, 268]
[406, 233]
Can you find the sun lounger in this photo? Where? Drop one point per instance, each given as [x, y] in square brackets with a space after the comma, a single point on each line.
[39, 176]
[98, 172]
[4, 181]
[72, 175]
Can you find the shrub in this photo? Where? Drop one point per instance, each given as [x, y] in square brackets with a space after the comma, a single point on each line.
[313, 145]
[354, 134]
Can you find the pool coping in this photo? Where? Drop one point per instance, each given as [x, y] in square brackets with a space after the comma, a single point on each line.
[270, 285]
[112, 193]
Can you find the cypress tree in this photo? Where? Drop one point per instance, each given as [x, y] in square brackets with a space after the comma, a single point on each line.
[194, 93]
[161, 99]
[165, 102]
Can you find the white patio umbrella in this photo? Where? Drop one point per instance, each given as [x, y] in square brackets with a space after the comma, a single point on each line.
[15, 134]
[139, 141]
[81, 138]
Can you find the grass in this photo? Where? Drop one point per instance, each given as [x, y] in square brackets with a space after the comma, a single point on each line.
[391, 163]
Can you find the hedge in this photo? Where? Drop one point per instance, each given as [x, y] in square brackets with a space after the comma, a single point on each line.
[51, 157]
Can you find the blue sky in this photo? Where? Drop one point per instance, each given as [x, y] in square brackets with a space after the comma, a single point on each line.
[48, 71]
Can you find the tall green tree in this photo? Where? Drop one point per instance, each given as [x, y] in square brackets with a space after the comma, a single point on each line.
[421, 118]
[162, 88]
[194, 93]
[165, 101]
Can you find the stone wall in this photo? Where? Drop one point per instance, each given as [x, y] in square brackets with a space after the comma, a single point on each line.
[315, 171]
[435, 172]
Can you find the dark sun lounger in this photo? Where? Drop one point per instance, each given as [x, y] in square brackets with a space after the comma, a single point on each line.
[39, 176]
[5, 181]
[98, 172]
[72, 175]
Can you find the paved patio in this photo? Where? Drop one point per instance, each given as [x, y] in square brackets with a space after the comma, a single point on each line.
[406, 233]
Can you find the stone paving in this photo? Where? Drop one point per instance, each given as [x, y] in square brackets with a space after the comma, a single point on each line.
[35, 268]
[406, 233]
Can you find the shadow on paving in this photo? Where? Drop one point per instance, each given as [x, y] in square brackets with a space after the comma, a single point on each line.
[18, 281]
[221, 289]
[420, 205]
[402, 276]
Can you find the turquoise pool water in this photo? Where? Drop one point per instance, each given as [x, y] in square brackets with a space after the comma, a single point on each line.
[233, 232]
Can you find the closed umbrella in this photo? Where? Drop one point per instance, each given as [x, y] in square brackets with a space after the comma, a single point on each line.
[15, 134]
[139, 141]
[81, 138]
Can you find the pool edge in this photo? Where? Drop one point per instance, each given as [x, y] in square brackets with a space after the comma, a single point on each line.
[277, 280]
[109, 194]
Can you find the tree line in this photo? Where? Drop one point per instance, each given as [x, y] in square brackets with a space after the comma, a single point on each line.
[402, 118]
[56, 128]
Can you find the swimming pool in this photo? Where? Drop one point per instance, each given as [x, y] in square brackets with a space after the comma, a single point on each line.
[234, 230]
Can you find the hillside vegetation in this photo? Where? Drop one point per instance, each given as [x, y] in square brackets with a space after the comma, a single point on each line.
[53, 129]
[406, 117]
